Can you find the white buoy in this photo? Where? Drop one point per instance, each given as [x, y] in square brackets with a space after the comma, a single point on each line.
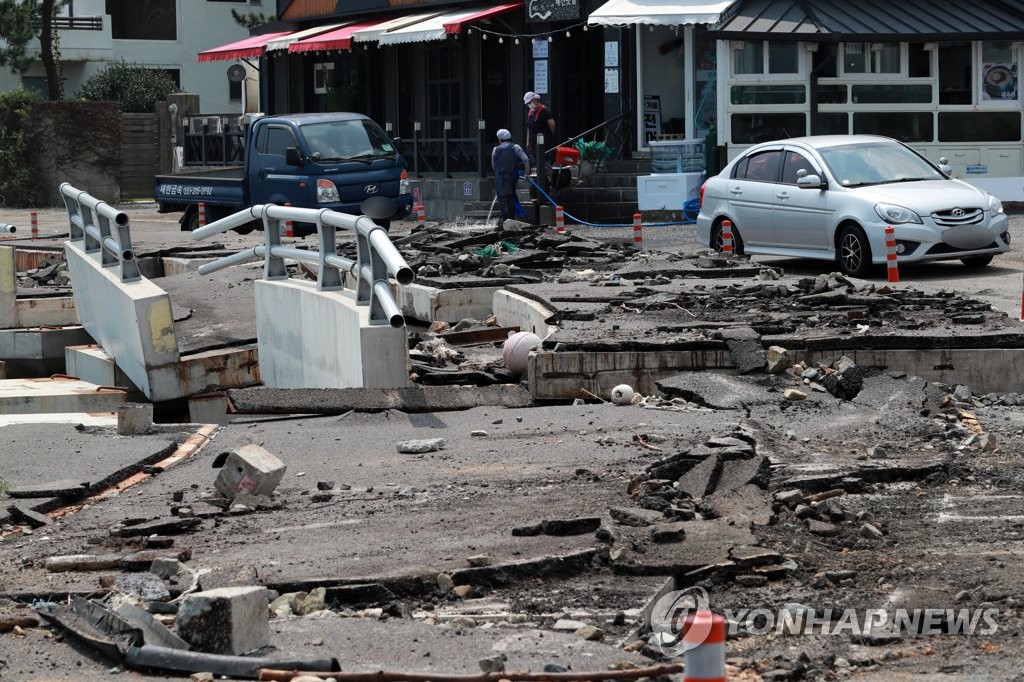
[516, 350]
[622, 394]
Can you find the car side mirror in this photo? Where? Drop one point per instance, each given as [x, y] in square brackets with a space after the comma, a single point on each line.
[945, 168]
[292, 156]
[810, 182]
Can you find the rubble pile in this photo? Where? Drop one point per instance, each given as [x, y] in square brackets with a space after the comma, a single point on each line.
[519, 251]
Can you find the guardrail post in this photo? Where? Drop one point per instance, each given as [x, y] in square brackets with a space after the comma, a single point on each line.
[329, 276]
[273, 266]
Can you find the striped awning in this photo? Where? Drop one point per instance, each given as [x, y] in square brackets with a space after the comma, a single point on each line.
[658, 12]
[338, 39]
[253, 46]
[284, 42]
[442, 25]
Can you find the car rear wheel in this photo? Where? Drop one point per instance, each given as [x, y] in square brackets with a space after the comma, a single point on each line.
[976, 261]
[717, 242]
[854, 252]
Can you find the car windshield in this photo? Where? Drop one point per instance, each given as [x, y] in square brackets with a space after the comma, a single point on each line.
[355, 139]
[876, 163]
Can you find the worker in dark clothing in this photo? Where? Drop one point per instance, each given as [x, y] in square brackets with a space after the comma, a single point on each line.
[538, 120]
[505, 160]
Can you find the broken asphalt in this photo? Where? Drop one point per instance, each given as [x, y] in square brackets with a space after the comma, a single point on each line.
[906, 495]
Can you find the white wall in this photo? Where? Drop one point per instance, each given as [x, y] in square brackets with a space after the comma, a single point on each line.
[201, 25]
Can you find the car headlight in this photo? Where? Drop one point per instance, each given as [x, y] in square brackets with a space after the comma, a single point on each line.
[326, 192]
[995, 204]
[896, 215]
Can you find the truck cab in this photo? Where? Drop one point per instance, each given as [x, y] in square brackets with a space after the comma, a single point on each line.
[337, 160]
[331, 160]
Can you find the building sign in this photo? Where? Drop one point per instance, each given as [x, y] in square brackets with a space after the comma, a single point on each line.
[467, 188]
[552, 10]
[999, 81]
[977, 170]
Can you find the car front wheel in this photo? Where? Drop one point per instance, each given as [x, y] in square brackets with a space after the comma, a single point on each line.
[854, 253]
[976, 261]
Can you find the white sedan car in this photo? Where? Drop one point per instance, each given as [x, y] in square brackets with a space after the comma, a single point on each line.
[830, 197]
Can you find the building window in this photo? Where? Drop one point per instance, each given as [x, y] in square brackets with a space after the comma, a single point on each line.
[753, 128]
[906, 126]
[873, 58]
[444, 90]
[235, 91]
[134, 20]
[749, 57]
[323, 77]
[955, 73]
[979, 126]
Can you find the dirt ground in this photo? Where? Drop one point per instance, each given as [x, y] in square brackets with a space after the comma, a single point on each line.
[902, 499]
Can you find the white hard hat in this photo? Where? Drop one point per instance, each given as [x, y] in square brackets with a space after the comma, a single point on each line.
[529, 97]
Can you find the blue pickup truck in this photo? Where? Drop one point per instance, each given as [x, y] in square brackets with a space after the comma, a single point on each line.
[341, 161]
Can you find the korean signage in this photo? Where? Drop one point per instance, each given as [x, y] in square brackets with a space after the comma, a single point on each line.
[552, 10]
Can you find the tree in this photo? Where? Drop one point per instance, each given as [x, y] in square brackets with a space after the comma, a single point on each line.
[252, 19]
[22, 20]
[136, 88]
[19, 23]
[49, 50]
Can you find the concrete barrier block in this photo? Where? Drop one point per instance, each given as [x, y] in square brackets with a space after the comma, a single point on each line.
[248, 469]
[428, 304]
[91, 364]
[134, 419]
[132, 321]
[513, 310]
[226, 620]
[323, 339]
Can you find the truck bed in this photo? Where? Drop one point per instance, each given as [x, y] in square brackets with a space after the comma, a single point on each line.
[216, 187]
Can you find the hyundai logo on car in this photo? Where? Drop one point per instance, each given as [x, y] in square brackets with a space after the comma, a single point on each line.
[958, 212]
[371, 189]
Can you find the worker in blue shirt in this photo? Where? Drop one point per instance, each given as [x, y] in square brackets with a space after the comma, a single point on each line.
[505, 160]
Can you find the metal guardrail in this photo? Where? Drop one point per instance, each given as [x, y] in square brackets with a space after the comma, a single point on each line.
[93, 220]
[377, 257]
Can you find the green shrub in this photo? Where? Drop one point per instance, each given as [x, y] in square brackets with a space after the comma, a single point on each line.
[19, 183]
[136, 88]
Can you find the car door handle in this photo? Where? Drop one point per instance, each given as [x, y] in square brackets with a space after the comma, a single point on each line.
[736, 190]
[782, 195]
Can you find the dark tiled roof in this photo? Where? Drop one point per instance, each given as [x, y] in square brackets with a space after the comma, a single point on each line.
[877, 19]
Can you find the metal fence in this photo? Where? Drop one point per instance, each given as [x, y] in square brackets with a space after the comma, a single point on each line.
[103, 228]
[377, 257]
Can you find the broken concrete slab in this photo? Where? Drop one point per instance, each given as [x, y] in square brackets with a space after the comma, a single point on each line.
[714, 389]
[24, 513]
[745, 505]
[737, 473]
[341, 400]
[230, 620]
[707, 542]
[68, 488]
[748, 355]
[701, 479]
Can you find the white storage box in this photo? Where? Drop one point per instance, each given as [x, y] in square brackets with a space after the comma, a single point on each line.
[667, 191]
